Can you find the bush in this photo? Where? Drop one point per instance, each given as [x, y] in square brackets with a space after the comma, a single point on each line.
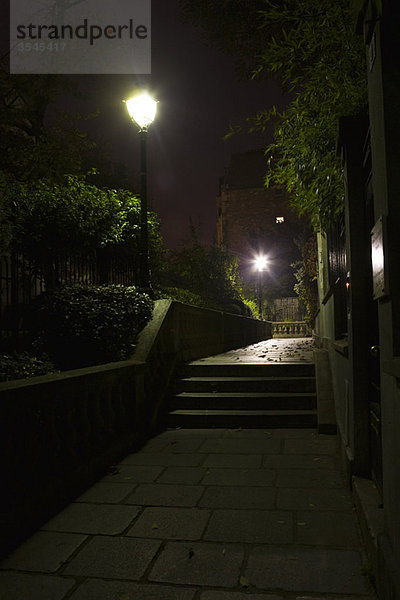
[18, 366]
[81, 325]
[48, 222]
[180, 295]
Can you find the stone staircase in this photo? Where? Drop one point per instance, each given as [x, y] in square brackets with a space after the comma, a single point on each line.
[244, 395]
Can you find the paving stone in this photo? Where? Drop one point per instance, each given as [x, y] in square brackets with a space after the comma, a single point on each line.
[164, 494]
[185, 475]
[185, 445]
[21, 586]
[171, 523]
[299, 461]
[93, 518]
[210, 595]
[305, 478]
[156, 444]
[164, 459]
[320, 445]
[371, 596]
[94, 589]
[109, 493]
[45, 551]
[306, 570]
[313, 499]
[250, 526]
[134, 474]
[249, 461]
[241, 446]
[327, 529]
[238, 497]
[199, 564]
[245, 477]
[113, 558]
[245, 434]
[177, 434]
[294, 433]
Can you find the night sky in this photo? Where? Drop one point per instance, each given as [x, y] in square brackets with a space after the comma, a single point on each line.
[199, 95]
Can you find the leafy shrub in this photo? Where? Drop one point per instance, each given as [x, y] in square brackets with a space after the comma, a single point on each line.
[81, 325]
[180, 295]
[47, 222]
[252, 306]
[210, 273]
[305, 272]
[18, 366]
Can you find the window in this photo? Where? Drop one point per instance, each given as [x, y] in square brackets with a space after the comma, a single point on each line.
[279, 220]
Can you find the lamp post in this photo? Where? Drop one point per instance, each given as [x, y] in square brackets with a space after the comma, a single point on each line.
[142, 110]
[260, 263]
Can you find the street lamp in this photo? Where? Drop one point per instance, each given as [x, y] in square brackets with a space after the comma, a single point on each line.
[260, 263]
[142, 110]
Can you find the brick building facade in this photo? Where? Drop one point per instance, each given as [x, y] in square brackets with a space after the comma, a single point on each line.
[253, 219]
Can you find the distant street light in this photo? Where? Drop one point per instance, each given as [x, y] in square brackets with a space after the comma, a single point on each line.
[260, 263]
[142, 110]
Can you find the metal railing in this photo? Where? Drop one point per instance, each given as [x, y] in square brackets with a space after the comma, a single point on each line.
[21, 280]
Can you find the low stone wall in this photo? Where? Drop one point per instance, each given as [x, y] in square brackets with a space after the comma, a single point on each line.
[180, 332]
[59, 433]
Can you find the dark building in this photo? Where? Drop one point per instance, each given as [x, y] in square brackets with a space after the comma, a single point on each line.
[255, 220]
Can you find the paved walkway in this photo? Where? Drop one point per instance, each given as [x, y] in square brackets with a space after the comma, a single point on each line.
[286, 350]
[212, 514]
[203, 515]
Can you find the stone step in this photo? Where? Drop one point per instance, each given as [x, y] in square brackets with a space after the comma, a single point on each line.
[244, 401]
[229, 369]
[245, 384]
[245, 419]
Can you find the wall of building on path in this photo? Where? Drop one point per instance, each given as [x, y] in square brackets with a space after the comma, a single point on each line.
[364, 346]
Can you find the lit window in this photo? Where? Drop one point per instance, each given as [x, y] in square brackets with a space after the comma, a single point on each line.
[279, 219]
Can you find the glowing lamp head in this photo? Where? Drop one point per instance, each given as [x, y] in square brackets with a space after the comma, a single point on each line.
[260, 262]
[142, 109]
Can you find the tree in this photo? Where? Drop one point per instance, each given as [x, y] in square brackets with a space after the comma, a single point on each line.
[311, 49]
[32, 147]
[48, 221]
[210, 273]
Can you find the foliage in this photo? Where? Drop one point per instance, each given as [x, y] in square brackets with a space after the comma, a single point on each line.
[312, 50]
[252, 305]
[180, 295]
[33, 144]
[305, 272]
[46, 221]
[81, 325]
[209, 272]
[18, 366]
[233, 26]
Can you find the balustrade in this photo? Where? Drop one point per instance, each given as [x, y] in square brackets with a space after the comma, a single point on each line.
[290, 329]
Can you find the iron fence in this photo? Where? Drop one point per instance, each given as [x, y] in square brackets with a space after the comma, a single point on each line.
[21, 280]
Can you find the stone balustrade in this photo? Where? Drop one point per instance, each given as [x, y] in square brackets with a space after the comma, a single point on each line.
[290, 329]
